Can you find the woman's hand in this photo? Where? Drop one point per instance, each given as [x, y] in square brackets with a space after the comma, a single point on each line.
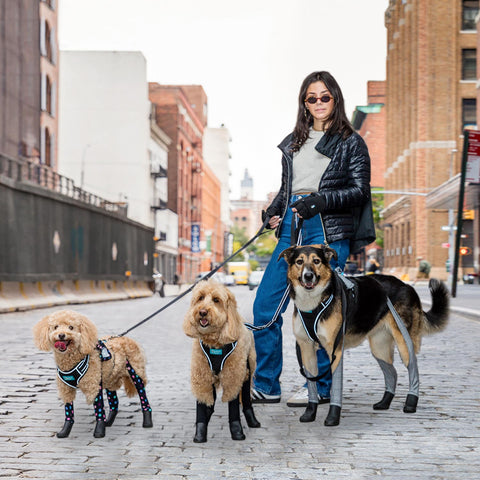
[274, 222]
[308, 207]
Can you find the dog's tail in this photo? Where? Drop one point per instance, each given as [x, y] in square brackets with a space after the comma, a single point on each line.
[436, 318]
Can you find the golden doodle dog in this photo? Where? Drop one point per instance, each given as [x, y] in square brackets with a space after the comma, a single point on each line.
[88, 364]
[338, 312]
[224, 356]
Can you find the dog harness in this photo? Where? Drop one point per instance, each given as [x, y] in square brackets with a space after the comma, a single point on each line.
[216, 356]
[311, 318]
[73, 376]
[105, 353]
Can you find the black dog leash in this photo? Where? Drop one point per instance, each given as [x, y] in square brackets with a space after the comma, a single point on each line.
[206, 277]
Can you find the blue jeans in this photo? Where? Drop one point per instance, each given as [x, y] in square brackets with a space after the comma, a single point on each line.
[272, 295]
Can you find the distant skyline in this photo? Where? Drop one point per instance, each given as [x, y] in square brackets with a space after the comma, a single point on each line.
[250, 58]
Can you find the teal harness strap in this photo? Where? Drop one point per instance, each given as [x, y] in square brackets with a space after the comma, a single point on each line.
[216, 356]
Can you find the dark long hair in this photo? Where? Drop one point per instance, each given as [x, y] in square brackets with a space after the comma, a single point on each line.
[338, 121]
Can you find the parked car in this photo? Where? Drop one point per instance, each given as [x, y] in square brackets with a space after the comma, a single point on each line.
[217, 276]
[255, 278]
[229, 280]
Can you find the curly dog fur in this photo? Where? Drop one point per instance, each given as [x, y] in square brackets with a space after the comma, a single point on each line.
[213, 319]
[72, 336]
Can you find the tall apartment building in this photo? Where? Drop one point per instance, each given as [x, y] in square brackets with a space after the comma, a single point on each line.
[29, 80]
[193, 189]
[431, 97]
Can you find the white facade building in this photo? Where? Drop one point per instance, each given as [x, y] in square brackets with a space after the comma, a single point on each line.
[104, 128]
[216, 152]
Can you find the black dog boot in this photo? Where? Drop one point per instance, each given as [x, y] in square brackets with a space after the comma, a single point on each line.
[333, 417]
[200, 433]
[147, 419]
[252, 422]
[99, 429]
[111, 418]
[384, 403]
[236, 430]
[65, 431]
[310, 413]
[410, 404]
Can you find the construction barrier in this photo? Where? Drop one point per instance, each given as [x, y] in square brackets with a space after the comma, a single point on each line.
[15, 296]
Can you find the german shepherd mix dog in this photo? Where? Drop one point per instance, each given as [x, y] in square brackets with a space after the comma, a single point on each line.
[381, 308]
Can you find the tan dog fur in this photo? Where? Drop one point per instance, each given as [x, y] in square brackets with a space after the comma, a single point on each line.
[225, 325]
[83, 337]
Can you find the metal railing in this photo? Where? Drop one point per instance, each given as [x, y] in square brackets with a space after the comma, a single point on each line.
[27, 172]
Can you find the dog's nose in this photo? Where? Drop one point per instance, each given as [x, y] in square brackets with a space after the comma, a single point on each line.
[61, 336]
[308, 276]
[203, 313]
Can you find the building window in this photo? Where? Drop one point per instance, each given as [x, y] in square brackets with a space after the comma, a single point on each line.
[469, 12]
[469, 64]
[469, 112]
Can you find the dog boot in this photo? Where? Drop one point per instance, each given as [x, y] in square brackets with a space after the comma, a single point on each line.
[111, 418]
[99, 429]
[252, 422]
[65, 431]
[310, 413]
[236, 430]
[147, 419]
[410, 404]
[200, 433]
[384, 403]
[333, 417]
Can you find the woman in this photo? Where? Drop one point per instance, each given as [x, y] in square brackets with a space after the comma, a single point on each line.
[326, 182]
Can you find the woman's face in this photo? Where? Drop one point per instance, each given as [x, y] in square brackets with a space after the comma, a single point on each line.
[319, 110]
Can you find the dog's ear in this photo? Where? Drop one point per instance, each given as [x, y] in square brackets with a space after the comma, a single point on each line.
[188, 328]
[232, 329]
[89, 335]
[329, 253]
[287, 254]
[40, 334]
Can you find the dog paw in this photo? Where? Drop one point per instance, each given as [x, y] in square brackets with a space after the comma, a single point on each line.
[65, 431]
[310, 413]
[333, 417]
[111, 418]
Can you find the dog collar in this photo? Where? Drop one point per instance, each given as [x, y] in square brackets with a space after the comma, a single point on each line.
[311, 318]
[216, 356]
[73, 376]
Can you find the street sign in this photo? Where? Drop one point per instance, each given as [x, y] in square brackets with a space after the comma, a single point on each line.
[473, 159]
[195, 235]
[446, 228]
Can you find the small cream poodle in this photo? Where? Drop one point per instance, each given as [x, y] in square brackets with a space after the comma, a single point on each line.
[224, 355]
[84, 362]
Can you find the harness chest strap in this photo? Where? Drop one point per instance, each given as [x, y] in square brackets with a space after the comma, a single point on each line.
[216, 356]
[73, 376]
[310, 319]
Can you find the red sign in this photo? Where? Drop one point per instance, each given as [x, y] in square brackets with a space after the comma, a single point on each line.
[473, 157]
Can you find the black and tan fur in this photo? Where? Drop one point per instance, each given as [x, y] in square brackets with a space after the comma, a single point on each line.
[312, 281]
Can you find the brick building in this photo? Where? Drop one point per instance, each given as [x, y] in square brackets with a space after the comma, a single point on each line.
[193, 189]
[431, 97]
[28, 107]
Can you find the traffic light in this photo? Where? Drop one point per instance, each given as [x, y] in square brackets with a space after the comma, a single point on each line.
[465, 250]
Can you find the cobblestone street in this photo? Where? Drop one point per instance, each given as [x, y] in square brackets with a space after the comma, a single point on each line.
[440, 441]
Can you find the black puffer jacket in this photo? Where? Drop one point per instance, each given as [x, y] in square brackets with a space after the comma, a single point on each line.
[344, 186]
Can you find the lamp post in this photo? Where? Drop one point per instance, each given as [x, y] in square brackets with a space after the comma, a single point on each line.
[451, 225]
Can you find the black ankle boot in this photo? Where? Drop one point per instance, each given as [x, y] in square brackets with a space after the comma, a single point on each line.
[200, 433]
[384, 403]
[99, 429]
[310, 413]
[236, 430]
[65, 431]
[252, 422]
[111, 418]
[333, 417]
[147, 419]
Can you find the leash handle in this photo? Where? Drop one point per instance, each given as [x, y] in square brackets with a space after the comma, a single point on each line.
[206, 277]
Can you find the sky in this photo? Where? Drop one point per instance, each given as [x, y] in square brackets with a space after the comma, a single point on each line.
[250, 56]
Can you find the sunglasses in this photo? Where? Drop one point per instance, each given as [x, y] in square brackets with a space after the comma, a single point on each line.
[313, 100]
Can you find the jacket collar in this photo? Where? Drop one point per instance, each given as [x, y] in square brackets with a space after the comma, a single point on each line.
[326, 146]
